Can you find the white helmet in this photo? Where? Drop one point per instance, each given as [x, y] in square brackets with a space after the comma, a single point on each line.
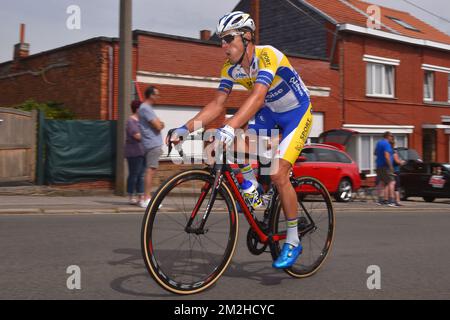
[235, 20]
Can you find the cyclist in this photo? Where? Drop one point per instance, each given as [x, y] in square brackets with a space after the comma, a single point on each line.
[278, 98]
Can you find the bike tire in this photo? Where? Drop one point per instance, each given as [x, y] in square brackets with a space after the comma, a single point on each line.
[155, 254]
[321, 203]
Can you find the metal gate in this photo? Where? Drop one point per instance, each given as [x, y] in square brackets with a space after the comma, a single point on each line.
[17, 145]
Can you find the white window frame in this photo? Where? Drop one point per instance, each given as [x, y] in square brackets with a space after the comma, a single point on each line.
[372, 144]
[427, 82]
[372, 130]
[372, 62]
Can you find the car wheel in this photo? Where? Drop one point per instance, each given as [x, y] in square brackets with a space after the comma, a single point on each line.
[345, 191]
[403, 195]
[429, 199]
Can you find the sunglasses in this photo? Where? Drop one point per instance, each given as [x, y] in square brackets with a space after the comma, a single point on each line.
[230, 37]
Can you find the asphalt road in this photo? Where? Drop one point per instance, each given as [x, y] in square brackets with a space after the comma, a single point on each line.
[411, 249]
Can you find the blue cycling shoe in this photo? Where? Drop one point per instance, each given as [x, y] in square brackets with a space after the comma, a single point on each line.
[288, 256]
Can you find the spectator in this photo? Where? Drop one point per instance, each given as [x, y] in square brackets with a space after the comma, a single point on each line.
[151, 127]
[134, 152]
[397, 162]
[385, 170]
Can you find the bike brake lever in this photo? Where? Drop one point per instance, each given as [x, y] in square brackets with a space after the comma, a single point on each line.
[170, 144]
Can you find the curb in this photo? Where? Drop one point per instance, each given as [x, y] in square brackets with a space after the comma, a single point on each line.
[134, 209]
[70, 211]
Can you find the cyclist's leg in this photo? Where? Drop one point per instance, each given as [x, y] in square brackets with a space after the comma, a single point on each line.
[261, 124]
[295, 134]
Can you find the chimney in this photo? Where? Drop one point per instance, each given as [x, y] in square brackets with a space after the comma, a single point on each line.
[205, 35]
[254, 13]
[22, 49]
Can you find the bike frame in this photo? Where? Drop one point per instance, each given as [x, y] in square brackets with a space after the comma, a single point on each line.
[222, 171]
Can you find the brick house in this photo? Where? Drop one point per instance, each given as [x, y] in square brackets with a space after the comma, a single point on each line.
[370, 80]
[394, 77]
[84, 77]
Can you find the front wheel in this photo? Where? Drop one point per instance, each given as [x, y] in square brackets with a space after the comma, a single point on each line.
[180, 255]
[315, 226]
[429, 199]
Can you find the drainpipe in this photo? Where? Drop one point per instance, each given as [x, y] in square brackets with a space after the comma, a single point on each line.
[342, 81]
[333, 47]
[110, 81]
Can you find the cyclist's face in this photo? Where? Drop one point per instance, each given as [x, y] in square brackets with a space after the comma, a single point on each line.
[233, 46]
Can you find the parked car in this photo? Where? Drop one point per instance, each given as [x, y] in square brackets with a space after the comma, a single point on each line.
[429, 180]
[426, 180]
[331, 166]
[328, 162]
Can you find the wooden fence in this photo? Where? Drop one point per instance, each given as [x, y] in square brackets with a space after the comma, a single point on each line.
[17, 145]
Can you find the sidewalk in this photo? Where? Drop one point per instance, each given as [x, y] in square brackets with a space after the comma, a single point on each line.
[108, 203]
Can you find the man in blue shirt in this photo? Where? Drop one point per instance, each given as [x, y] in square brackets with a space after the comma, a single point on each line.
[151, 127]
[385, 169]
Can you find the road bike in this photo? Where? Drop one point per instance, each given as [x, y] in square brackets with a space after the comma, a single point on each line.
[190, 228]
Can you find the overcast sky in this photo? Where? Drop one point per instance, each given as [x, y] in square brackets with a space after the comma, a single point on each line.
[46, 19]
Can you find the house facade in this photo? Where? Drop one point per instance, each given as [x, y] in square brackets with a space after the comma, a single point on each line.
[393, 76]
[393, 70]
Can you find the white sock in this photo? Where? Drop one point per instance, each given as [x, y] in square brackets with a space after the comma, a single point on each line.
[292, 232]
[247, 172]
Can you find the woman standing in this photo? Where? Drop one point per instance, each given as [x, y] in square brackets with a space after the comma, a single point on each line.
[397, 162]
[134, 152]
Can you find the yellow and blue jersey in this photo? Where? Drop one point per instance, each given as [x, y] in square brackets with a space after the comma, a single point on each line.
[287, 105]
[271, 68]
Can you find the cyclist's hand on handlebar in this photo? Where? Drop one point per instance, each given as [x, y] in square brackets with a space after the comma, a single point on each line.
[225, 134]
[176, 135]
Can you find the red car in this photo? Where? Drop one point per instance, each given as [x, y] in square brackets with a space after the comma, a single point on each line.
[330, 164]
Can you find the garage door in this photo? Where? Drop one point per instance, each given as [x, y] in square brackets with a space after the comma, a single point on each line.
[174, 117]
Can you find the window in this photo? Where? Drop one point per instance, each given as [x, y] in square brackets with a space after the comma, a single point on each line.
[343, 158]
[403, 24]
[325, 155]
[428, 86]
[309, 154]
[362, 147]
[380, 80]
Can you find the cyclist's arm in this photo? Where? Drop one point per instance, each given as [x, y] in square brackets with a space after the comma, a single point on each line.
[210, 112]
[251, 105]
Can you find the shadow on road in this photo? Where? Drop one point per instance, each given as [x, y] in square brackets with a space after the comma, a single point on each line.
[142, 285]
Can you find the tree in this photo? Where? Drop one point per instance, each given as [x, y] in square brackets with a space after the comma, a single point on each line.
[53, 110]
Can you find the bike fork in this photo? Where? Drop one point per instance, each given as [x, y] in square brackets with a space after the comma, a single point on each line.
[217, 182]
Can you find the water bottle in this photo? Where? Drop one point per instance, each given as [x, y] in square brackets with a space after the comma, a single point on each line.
[251, 194]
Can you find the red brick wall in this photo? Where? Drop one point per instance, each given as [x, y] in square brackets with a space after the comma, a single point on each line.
[180, 57]
[407, 108]
[80, 85]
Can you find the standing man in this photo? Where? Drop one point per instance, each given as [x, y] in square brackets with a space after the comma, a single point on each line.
[385, 170]
[151, 127]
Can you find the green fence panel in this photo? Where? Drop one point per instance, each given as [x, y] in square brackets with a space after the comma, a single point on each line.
[80, 150]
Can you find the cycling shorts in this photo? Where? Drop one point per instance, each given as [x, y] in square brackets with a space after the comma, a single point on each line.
[294, 125]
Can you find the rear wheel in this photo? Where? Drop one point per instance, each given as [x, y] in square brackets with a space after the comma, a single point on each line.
[315, 227]
[345, 191]
[429, 199]
[189, 260]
